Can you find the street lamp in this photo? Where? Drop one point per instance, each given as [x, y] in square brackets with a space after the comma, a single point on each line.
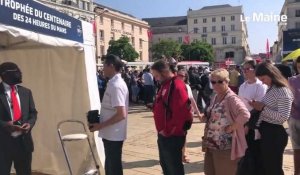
[98, 11]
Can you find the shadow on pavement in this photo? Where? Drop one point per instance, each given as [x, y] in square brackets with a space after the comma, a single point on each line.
[194, 144]
[289, 152]
[194, 167]
[135, 111]
[140, 164]
[149, 116]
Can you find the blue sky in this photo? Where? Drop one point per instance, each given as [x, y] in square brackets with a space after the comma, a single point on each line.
[258, 32]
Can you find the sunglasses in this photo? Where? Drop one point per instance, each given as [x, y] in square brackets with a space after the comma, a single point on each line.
[10, 70]
[247, 69]
[215, 82]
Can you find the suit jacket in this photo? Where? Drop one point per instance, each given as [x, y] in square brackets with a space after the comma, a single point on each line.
[29, 115]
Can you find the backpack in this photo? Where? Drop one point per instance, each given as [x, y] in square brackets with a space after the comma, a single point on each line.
[188, 108]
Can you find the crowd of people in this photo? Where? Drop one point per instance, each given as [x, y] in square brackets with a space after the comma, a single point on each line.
[243, 108]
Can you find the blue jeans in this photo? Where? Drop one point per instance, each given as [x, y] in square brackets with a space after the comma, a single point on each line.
[170, 154]
[113, 157]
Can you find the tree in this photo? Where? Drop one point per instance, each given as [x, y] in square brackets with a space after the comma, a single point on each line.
[166, 47]
[123, 49]
[198, 51]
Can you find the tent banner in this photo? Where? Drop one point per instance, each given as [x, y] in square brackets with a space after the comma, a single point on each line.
[35, 17]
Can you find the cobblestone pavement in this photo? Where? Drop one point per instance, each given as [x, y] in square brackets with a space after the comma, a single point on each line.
[140, 153]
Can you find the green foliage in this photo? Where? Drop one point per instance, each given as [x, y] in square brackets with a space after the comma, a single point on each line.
[198, 51]
[123, 49]
[167, 48]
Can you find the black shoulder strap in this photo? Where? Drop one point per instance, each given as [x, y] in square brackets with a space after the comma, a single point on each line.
[168, 111]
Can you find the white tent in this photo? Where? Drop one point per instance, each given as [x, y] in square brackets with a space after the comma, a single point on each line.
[62, 76]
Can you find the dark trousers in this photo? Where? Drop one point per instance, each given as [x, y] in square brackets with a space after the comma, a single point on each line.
[170, 154]
[148, 93]
[273, 142]
[13, 151]
[113, 157]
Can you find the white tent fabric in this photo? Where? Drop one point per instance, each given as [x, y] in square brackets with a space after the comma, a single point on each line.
[62, 77]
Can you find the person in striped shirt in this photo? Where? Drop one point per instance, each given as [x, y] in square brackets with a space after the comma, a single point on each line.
[275, 109]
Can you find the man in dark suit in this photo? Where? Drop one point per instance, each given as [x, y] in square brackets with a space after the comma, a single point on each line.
[17, 118]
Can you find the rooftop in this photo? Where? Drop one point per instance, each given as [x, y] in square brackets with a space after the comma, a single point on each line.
[166, 21]
[111, 9]
[215, 6]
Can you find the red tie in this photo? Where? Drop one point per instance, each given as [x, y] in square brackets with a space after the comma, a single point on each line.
[15, 104]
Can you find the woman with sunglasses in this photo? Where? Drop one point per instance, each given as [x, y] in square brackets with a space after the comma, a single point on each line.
[251, 90]
[183, 75]
[275, 109]
[224, 137]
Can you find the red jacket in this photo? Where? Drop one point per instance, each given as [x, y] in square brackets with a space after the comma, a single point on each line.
[172, 125]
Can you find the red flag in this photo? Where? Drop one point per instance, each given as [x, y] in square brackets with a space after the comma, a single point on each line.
[150, 34]
[267, 49]
[186, 39]
[94, 27]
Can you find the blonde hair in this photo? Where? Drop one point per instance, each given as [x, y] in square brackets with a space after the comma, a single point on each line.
[222, 74]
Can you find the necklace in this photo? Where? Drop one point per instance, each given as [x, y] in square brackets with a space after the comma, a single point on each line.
[220, 97]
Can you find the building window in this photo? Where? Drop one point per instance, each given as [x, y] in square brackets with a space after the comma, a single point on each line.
[213, 29]
[133, 41]
[223, 18]
[102, 50]
[195, 30]
[141, 31]
[179, 39]
[229, 54]
[195, 21]
[80, 5]
[213, 19]
[233, 40]
[204, 20]
[101, 35]
[112, 23]
[87, 6]
[223, 28]
[232, 18]
[123, 26]
[132, 28]
[204, 29]
[232, 27]
[297, 25]
[224, 40]
[204, 39]
[112, 36]
[297, 13]
[213, 41]
[141, 43]
[101, 19]
[141, 55]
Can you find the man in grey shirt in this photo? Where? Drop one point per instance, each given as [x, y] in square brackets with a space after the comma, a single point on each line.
[148, 86]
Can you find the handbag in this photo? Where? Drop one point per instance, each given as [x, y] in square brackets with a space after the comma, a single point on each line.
[93, 116]
[254, 116]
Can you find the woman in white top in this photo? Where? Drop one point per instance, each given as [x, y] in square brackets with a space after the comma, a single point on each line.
[182, 74]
